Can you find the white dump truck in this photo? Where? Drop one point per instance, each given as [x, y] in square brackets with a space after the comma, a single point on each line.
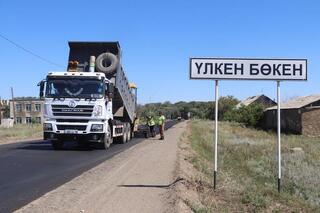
[92, 101]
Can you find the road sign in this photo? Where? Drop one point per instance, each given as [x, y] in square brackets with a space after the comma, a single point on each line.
[248, 69]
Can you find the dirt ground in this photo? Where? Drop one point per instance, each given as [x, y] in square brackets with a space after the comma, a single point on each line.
[185, 192]
[140, 179]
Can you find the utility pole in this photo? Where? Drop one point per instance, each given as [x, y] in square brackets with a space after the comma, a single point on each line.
[13, 106]
[0, 110]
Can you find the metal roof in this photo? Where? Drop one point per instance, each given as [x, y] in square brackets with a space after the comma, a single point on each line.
[298, 103]
[249, 101]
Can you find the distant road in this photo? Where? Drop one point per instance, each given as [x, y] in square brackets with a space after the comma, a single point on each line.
[30, 169]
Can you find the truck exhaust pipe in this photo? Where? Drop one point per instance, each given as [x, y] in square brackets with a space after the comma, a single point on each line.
[92, 63]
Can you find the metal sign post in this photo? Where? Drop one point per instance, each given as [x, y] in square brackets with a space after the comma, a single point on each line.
[248, 69]
[216, 137]
[279, 136]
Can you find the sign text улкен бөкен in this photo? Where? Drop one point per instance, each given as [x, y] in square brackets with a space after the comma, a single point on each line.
[248, 69]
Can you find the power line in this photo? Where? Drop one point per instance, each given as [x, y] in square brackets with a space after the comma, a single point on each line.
[30, 52]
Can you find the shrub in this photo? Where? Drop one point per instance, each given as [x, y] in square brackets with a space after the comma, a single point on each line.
[249, 115]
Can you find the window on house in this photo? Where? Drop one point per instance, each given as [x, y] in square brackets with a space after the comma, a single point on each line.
[38, 120]
[28, 107]
[18, 120]
[37, 107]
[28, 120]
[18, 107]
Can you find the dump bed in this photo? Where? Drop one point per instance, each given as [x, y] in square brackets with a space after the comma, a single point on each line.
[124, 102]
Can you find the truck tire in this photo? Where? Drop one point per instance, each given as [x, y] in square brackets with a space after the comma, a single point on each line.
[128, 132]
[107, 63]
[57, 144]
[108, 140]
[123, 138]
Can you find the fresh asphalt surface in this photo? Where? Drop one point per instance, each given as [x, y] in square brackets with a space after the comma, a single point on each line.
[30, 169]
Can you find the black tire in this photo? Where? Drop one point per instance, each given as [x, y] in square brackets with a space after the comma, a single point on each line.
[128, 132]
[57, 144]
[107, 63]
[108, 140]
[123, 138]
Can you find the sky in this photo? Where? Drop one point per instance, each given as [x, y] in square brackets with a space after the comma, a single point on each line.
[158, 38]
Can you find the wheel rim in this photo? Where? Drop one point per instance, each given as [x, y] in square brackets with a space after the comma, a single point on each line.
[129, 133]
[124, 134]
[108, 139]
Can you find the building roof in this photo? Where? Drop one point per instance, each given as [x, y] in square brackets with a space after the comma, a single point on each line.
[298, 103]
[248, 101]
[26, 99]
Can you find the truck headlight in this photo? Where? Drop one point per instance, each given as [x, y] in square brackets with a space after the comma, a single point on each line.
[97, 111]
[47, 127]
[97, 127]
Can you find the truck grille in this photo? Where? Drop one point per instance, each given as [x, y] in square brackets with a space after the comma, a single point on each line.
[72, 127]
[73, 120]
[65, 110]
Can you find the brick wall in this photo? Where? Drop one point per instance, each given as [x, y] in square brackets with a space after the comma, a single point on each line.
[311, 122]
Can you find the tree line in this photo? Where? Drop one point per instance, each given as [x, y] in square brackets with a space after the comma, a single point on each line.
[227, 111]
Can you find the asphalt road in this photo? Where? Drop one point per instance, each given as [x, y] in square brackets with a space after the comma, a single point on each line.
[30, 169]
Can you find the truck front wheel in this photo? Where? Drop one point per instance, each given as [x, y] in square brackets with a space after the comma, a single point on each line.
[57, 144]
[108, 138]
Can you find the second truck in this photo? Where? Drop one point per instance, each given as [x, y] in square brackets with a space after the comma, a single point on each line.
[93, 100]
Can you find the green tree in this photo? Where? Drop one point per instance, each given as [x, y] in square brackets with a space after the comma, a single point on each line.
[249, 115]
[6, 112]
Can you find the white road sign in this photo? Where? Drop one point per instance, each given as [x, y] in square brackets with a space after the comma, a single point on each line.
[248, 69]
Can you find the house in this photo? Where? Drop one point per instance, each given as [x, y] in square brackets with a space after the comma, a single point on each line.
[258, 99]
[4, 104]
[26, 110]
[300, 116]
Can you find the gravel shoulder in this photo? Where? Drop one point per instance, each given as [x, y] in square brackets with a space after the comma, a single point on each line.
[136, 180]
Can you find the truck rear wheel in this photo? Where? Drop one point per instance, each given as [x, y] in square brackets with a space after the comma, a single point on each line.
[128, 132]
[108, 138]
[57, 144]
[124, 137]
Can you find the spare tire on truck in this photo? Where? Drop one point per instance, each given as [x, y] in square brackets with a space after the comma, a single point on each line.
[107, 63]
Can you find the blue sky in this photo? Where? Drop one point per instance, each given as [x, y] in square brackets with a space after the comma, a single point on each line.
[157, 39]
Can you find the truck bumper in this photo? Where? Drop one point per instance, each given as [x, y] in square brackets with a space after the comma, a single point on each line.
[74, 131]
[91, 137]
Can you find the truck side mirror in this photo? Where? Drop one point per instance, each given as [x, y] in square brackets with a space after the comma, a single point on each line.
[41, 84]
[110, 90]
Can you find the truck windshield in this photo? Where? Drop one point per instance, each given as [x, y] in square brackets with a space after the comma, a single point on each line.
[74, 88]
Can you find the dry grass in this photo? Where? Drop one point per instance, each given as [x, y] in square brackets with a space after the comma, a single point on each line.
[247, 170]
[20, 132]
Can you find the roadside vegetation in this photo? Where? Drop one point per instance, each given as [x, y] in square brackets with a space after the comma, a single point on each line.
[247, 170]
[20, 132]
[249, 115]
